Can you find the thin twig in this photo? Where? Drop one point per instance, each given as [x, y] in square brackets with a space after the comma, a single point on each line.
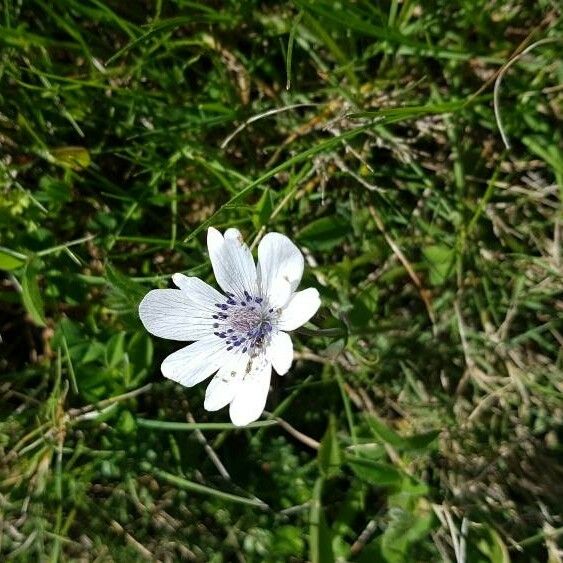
[209, 450]
[111, 400]
[135, 544]
[303, 438]
[364, 537]
[398, 252]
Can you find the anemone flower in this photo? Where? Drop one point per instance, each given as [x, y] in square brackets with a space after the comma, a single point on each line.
[240, 334]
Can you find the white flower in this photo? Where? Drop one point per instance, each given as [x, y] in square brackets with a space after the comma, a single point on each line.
[241, 335]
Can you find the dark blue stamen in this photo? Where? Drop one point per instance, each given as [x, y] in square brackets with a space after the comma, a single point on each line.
[224, 306]
[215, 325]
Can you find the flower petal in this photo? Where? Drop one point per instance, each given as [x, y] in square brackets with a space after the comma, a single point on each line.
[279, 260]
[178, 315]
[196, 362]
[198, 290]
[232, 262]
[301, 307]
[251, 394]
[280, 352]
[223, 387]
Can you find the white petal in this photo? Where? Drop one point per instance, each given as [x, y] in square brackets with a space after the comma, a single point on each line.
[301, 307]
[223, 387]
[279, 260]
[196, 362]
[280, 293]
[177, 315]
[280, 352]
[198, 290]
[251, 394]
[232, 262]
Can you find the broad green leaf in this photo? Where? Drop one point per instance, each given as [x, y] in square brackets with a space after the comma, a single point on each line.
[375, 473]
[386, 434]
[389, 436]
[329, 456]
[126, 423]
[140, 350]
[9, 261]
[440, 260]
[115, 349]
[320, 539]
[31, 295]
[374, 451]
[76, 158]
[264, 209]
[324, 233]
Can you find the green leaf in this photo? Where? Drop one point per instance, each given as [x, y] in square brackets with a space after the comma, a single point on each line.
[31, 296]
[126, 294]
[54, 190]
[329, 456]
[440, 260]
[8, 261]
[374, 451]
[375, 473]
[389, 436]
[404, 530]
[126, 423]
[76, 158]
[140, 350]
[490, 544]
[115, 349]
[264, 209]
[386, 434]
[324, 233]
[287, 541]
[320, 538]
[546, 150]
[187, 485]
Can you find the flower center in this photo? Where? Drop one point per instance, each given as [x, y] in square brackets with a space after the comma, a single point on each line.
[245, 322]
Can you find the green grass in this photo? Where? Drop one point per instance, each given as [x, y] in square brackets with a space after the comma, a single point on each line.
[422, 418]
